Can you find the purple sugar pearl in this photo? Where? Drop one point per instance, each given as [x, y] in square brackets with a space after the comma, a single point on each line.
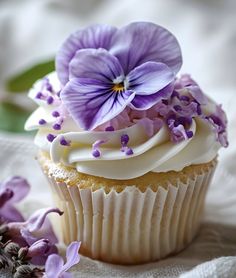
[51, 137]
[42, 122]
[56, 126]
[55, 114]
[96, 153]
[64, 142]
[129, 151]
[50, 100]
[124, 139]
[49, 87]
[39, 95]
[189, 133]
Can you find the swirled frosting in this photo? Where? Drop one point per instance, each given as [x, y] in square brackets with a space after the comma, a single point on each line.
[133, 143]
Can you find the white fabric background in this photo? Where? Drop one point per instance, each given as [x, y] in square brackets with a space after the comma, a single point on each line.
[32, 30]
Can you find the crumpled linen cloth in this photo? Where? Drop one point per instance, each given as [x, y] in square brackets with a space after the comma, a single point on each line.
[32, 30]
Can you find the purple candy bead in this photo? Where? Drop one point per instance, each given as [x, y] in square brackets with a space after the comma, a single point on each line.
[55, 114]
[56, 126]
[64, 142]
[50, 100]
[96, 153]
[124, 139]
[39, 95]
[42, 122]
[189, 134]
[129, 151]
[51, 137]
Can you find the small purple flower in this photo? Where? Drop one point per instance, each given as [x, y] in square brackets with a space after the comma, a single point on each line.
[104, 70]
[12, 191]
[55, 267]
[36, 228]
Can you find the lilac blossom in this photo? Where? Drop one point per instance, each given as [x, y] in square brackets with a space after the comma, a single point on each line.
[30, 232]
[55, 267]
[12, 191]
[104, 70]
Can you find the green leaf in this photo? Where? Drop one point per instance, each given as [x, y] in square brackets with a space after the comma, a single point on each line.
[23, 81]
[12, 117]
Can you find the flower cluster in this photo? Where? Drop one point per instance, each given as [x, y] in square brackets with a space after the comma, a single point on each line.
[25, 244]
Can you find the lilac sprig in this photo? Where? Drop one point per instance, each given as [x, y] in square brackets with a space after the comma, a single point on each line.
[26, 243]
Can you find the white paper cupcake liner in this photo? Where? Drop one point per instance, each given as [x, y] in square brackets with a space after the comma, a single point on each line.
[131, 227]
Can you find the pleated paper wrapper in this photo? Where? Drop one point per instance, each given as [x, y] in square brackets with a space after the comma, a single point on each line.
[131, 227]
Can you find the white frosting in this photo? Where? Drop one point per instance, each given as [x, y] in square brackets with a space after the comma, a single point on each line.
[157, 154]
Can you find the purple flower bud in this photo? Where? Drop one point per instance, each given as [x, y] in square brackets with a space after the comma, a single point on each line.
[55, 114]
[51, 137]
[96, 153]
[109, 128]
[42, 122]
[56, 126]
[39, 248]
[124, 139]
[50, 100]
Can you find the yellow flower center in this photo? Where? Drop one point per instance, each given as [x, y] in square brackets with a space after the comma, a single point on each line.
[118, 87]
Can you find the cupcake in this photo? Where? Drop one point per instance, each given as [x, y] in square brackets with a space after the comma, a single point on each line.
[129, 149]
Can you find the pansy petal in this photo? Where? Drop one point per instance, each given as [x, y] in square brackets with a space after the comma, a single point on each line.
[95, 36]
[93, 108]
[72, 255]
[96, 64]
[149, 78]
[19, 186]
[143, 102]
[53, 266]
[140, 42]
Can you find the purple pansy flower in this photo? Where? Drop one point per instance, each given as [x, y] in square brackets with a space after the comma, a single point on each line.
[12, 191]
[104, 70]
[55, 267]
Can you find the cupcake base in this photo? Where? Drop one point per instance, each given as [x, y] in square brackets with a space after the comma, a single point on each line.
[129, 222]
